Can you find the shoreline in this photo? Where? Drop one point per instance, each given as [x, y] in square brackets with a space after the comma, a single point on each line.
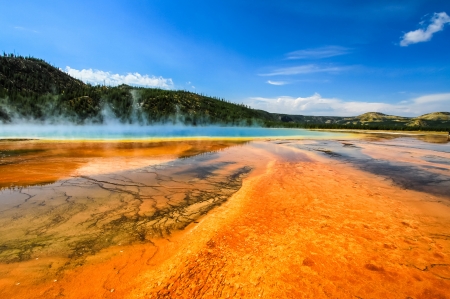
[399, 132]
[348, 135]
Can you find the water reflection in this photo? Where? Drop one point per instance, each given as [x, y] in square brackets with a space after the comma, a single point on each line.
[79, 216]
[407, 162]
[440, 138]
[134, 132]
[34, 162]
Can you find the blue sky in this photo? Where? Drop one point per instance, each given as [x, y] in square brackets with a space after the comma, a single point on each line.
[322, 57]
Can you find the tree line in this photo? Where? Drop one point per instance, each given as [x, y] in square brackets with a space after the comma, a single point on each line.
[32, 89]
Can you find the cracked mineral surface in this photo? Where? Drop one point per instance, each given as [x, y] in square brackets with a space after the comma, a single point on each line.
[365, 217]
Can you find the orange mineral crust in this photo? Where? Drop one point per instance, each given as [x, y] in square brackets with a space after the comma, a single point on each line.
[311, 230]
[302, 225]
[31, 162]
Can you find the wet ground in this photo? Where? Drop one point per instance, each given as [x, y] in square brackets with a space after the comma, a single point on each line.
[409, 164]
[36, 162]
[363, 217]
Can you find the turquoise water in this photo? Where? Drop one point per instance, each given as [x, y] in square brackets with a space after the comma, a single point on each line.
[101, 132]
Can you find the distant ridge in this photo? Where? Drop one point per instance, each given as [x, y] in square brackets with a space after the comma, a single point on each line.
[436, 116]
[33, 90]
[377, 116]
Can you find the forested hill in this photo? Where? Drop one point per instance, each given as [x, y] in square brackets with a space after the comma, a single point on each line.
[19, 74]
[33, 90]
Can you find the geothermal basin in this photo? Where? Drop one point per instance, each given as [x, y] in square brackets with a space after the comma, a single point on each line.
[280, 215]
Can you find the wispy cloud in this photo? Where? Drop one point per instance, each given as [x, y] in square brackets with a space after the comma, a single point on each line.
[277, 82]
[305, 69]
[100, 77]
[318, 53]
[318, 105]
[435, 24]
[190, 84]
[434, 98]
[25, 29]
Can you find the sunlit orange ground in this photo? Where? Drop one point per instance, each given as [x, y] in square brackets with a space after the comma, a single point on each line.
[307, 229]
[54, 160]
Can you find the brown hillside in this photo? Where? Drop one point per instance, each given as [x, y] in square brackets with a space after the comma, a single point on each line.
[377, 116]
[435, 116]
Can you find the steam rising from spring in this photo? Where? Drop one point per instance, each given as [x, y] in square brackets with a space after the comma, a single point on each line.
[107, 125]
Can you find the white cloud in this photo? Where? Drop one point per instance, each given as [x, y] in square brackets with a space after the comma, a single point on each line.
[318, 53]
[436, 24]
[100, 77]
[434, 98]
[277, 82]
[317, 105]
[305, 69]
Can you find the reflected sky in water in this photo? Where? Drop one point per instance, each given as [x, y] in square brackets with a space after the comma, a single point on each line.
[117, 132]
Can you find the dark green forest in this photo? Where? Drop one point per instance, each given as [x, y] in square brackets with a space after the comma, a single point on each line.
[34, 90]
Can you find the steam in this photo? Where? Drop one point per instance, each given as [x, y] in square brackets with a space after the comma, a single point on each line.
[107, 126]
[106, 115]
[110, 123]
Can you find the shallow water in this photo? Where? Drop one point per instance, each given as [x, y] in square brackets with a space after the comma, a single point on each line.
[64, 202]
[31, 162]
[407, 162]
[80, 216]
[121, 132]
